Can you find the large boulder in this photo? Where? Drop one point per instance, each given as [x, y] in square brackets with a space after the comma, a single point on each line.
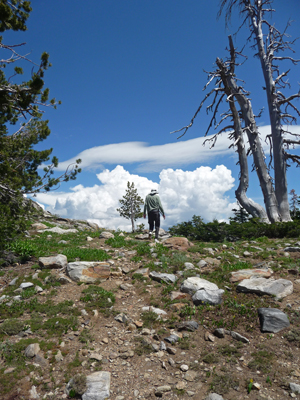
[272, 320]
[279, 288]
[106, 235]
[98, 386]
[192, 284]
[39, 226]
[55, 262]
[163, 277]
[237, 276]
[88, 271]
[178, 243]
[206, 296]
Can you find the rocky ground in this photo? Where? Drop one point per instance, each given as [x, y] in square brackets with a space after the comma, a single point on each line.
[135, 347]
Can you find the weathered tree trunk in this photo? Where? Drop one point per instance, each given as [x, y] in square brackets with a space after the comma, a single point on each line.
[232, 89]
[281, 190]
[254, 209]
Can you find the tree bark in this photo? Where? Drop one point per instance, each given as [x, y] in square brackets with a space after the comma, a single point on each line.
[281, 190]
[231, 88]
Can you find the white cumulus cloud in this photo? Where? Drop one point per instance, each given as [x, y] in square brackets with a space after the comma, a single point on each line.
[183, 194]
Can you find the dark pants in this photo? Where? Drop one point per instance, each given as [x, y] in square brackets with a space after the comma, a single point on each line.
[154, 218]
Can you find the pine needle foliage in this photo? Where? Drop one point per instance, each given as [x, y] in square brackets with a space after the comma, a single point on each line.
[131, 205]
[22, 126]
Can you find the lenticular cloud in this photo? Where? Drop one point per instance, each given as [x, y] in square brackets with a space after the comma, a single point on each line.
[183, 194]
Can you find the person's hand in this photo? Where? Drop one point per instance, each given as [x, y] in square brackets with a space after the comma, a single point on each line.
[144, 215]
[164, 217]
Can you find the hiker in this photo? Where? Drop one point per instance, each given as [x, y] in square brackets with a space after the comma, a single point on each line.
[153, 208]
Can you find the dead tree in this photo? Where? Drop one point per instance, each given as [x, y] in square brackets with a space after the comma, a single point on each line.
[269, 45]
[244, 122]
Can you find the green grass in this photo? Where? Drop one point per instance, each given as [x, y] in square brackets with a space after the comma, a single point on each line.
[97, 297]
[73, 253]
[262, 361]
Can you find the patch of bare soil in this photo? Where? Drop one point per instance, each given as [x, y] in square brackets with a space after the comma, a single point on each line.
[196, 365]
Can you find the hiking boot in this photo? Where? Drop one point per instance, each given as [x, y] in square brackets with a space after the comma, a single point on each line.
[150, 235]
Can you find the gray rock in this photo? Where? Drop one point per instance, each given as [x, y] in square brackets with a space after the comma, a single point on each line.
[26, 285]
[272, 320]
[294, 387]
[13, 282]
[162, 346]
[172, 339]
[192, 284]
[33, 394]
[106, 235]
[121, 318]
[157, 311]
[98, 386]
[62, 279]
[214, 262]
[58, 356]
[39, 359]
[202, 263]
[143, 236]
[291, 249]
[279, 288]
[189, 266]
[239, 337]
[61, 231]
[206, 296]
[242, 274]
[32, 350]
[93, 225]
[188, 325]
[162, 389]
[214, 396]
[88, 271]
[39, 226]
[142, 271]
[56, 262]
[219, 332]
[162, 277]
[3, 297]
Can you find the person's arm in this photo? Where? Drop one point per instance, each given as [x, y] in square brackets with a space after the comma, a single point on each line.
[145, 208]
[161, 209]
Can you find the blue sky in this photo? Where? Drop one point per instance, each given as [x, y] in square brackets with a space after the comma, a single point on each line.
[128, 72]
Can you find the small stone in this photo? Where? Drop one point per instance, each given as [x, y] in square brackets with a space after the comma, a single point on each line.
[162, 346]
[9, 370]
[171, 362]
[190, 376]
[162, 389]
[184, 367]
[209, 337]
[59, 356]
[171, 350]
[180, 385]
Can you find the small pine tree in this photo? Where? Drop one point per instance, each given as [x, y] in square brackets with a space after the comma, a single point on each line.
[240, 215]
[294, 205]
[131, 205]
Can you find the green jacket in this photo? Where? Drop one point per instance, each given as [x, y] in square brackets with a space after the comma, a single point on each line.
[152, 202]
